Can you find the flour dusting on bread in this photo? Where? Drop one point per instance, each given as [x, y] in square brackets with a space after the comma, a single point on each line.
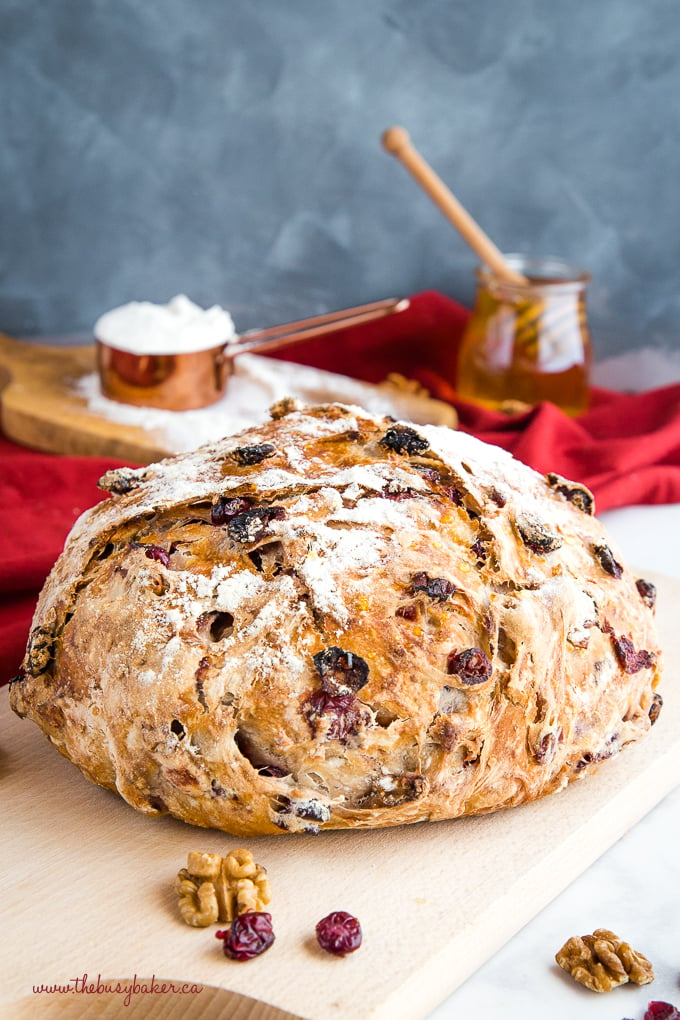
[336, 620]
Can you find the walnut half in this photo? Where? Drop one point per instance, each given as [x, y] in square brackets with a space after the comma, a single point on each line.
[602, 961]
[213, 888]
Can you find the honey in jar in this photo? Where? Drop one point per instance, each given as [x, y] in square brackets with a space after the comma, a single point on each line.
[528, 341]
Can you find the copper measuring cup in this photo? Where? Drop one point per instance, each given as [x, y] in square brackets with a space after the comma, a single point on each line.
[184, 382]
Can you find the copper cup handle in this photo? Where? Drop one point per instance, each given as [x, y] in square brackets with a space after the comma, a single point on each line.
[188, 381]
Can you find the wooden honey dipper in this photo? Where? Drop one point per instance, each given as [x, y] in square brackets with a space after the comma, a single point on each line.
[532, 315]
[545, 323]
[397, 142]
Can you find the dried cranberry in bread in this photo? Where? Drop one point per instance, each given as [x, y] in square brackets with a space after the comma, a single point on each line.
[336, 620]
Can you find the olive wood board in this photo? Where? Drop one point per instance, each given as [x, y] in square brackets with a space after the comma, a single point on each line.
[40, 408]
[88, 886]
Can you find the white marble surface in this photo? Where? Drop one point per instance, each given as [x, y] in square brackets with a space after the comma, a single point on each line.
[631, 889]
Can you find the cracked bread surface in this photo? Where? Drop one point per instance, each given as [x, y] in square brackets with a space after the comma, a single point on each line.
[334, 620]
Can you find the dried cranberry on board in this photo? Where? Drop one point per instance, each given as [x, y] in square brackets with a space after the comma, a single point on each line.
[436, 587]
[403, 439]
[339, 933]
[472, 665]
[246, 456]
[225, 509]
[657, 1010]
[250, 935]
[341, 672]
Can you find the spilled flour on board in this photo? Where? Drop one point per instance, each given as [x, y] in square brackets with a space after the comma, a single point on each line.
[256, 384]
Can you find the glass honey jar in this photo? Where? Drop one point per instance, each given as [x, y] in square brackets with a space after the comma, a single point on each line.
[528, 341]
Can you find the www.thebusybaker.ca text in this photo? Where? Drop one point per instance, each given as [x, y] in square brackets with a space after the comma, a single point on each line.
[136, 986]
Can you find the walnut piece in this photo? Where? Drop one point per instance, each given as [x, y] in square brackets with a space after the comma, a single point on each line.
[213, 888]
[121, 480]
[288, 405]
[401, 382]
[602, 961]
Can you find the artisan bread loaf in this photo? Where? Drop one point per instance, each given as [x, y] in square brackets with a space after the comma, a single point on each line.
[336, 620]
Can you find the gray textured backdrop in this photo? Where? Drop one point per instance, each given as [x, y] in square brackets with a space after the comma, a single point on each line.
[230, 149]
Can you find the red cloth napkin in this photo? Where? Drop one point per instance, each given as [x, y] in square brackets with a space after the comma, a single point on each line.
[626, 448]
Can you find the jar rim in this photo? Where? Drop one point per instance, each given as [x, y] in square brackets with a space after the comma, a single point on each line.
[541, 270]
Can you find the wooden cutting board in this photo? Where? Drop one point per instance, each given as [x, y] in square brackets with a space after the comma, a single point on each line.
[88, 887]
[40, 408]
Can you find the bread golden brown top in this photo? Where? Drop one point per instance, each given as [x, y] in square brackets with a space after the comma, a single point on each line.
[336, 620]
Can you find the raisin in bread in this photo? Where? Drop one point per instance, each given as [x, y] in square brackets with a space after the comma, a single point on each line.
[335, 620]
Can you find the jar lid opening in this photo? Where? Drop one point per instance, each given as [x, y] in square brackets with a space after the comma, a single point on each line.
[540, 271]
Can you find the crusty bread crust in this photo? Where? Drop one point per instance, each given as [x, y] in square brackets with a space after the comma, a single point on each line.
[334, 620]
